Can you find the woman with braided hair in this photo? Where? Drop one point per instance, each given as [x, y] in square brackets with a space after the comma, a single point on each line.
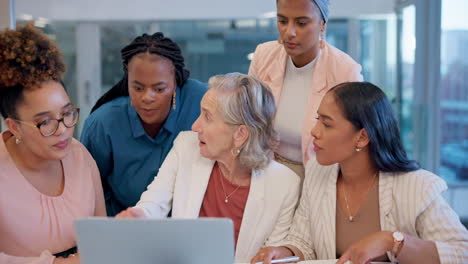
[132, 127]
[47, 178]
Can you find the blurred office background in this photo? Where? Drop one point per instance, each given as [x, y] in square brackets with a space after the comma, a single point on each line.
[416, 50]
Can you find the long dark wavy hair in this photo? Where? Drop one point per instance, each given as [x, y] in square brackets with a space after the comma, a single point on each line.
[366, 106]
[153, 44]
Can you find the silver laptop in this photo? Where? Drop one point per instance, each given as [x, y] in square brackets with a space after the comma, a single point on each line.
[172, 241]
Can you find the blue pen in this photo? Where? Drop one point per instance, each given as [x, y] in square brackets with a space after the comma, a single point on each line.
[283, 260]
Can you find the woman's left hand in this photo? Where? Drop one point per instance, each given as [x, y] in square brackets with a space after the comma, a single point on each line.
[368, 248]
[131, 212]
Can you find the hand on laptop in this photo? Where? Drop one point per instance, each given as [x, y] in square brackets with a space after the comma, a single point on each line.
[131, 212]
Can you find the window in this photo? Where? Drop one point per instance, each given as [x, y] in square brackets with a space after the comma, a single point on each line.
[408, 48]
[454, 91]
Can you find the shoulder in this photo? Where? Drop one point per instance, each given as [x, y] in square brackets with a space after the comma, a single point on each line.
[421, 178]
[341, 64]
[319, 174]
[280, 176]
[336, 55]
[194, 87]
[186, 148]
[191, 94]
[268, 50]
[186, 140]
[80, 155]
[319, 181]
[110, 111]
[422, 184]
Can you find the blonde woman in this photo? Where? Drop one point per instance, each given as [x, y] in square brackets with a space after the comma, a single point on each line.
[224, 168]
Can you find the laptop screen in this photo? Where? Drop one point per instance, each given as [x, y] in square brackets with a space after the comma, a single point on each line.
[143, 241]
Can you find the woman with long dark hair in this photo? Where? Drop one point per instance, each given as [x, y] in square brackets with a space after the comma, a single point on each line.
[132, 127]
[363, 199]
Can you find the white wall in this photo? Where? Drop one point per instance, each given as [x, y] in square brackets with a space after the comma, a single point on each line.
[92, 10]
[6, 21]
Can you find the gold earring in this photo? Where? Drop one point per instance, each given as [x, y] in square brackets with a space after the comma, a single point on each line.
[173, 101]
[322, 37]
[17, 141]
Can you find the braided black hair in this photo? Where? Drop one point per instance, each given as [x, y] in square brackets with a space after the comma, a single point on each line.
[153, 44]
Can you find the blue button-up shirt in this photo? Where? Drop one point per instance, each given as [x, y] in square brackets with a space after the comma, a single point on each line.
[128, 158]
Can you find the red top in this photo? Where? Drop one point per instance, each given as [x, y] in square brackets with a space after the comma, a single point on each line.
[214, 204]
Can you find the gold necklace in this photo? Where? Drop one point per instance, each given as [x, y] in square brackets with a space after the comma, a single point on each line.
[350, 216]
[226, 197]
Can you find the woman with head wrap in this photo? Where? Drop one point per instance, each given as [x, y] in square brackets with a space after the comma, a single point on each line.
[132, 126]
[300, 68]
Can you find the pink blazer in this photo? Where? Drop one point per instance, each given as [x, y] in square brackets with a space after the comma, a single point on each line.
[332, 67]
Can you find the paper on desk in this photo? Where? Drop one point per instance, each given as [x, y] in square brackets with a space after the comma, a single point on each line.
[326, 261]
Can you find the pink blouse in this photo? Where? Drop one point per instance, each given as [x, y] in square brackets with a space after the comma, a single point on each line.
[33, 226]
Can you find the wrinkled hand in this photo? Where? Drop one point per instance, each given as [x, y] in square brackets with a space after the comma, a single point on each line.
[72, 259]
[131, 212]
[368, 248]
[267, 254]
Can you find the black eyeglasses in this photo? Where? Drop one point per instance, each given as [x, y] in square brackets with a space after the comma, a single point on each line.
[49, 126]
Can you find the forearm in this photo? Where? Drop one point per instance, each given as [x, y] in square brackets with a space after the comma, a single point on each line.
[295, 252]
[300, 247]
[44, 258]
[416, 250]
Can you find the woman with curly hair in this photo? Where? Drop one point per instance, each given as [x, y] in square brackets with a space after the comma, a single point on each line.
[47, 178]
[133, 126]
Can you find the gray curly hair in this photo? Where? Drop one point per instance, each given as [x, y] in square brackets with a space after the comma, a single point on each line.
[244, 100]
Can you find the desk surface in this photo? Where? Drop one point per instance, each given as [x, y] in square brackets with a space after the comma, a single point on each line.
[326, 261]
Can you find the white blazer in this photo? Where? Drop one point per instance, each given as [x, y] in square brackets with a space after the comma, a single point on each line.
[408, 202]
[182, 181]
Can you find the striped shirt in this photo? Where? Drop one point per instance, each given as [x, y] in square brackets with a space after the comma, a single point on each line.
[408, 202]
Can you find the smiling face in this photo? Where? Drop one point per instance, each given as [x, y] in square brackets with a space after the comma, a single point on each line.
[215, 135]
[300, 25]
[151, 85]
[49, 101]
[335, 138]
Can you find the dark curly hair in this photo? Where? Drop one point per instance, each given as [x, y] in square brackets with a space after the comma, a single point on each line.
[27, 58]
[154, 44]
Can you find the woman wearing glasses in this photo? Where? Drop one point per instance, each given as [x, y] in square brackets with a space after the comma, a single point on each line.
[47, 178]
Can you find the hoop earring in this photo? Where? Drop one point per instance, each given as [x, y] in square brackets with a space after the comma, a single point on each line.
[174, 101]
[235, 152]
[17, 141]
